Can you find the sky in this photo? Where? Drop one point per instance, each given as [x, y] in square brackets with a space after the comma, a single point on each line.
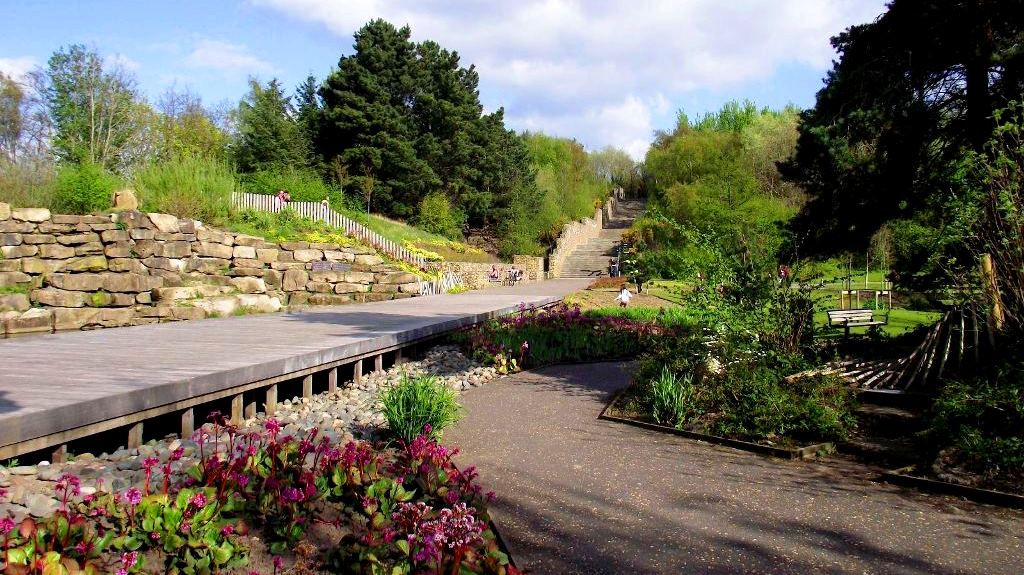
[605, 72]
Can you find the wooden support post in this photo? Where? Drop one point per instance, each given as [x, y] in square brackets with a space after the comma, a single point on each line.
[332, 380]
[378, 362]
[237, 406]
[988, 277]
[307, 386]
[399, 360]
[250, 410]
[60, 455]
[135, 436]
[188, 423]
[270, 405]
[357, 371]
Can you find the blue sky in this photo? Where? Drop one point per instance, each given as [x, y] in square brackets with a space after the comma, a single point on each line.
[607, 72]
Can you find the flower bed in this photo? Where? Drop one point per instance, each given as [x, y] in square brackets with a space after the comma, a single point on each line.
[558, 334]
[405, 510]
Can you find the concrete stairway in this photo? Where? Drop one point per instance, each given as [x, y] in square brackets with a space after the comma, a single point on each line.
[592, 258]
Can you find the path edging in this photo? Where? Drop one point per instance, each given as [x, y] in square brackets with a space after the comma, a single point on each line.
[903, 477]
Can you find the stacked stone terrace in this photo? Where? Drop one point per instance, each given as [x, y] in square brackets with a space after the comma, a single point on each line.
[64, 272]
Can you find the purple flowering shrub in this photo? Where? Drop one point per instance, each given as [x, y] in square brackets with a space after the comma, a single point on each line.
[410, 509]
[561, 333]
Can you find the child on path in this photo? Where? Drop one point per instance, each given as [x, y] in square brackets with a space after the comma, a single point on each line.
[624, 297]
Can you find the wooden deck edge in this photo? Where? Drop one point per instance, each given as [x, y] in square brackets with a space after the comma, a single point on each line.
[903, 477]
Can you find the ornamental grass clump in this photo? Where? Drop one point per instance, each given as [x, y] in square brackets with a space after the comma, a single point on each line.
[418, 403]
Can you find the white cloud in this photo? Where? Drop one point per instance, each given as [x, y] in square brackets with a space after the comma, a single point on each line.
[579, 66]
[226, 57]
[124, 62]
[17, 68]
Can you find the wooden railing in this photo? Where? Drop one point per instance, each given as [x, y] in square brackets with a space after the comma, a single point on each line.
[321, 213]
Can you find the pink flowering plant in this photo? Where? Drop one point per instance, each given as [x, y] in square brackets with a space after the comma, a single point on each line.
[407, 510]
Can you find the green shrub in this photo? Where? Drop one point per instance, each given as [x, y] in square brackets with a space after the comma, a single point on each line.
[187, 187]
[417, 402]
[437, 216]
[301, 185]
[671, 397]
[84, 188]
[27, 184]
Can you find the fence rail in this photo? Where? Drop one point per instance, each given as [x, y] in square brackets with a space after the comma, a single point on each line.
[321, 213]
[445, 282]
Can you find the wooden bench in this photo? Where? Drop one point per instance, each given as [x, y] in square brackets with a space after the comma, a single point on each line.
[853, 318]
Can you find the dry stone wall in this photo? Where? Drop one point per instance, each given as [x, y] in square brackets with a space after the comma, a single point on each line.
[475, 275]
[62, 272]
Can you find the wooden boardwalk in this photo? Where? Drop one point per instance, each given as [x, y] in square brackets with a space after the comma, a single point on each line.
[57, 388]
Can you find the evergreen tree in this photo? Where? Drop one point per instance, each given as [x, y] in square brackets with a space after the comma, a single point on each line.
[268, 136]
[307, 116]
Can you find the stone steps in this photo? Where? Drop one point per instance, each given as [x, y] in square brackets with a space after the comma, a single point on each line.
[591, 259]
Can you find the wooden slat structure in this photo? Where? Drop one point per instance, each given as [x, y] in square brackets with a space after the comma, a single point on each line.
[67, 386]
[318, 212]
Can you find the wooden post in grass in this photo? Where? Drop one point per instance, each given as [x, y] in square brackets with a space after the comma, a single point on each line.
[988, 280]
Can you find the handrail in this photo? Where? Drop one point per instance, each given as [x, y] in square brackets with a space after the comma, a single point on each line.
[319, 212]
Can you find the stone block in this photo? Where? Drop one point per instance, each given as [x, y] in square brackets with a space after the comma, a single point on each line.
[86, 264]
[328, 299]
[403, 295]
[384, 288]
[103, 227]
[22, 251]
[244, 252]
[244, 263]
[145, 248]
[75, 239]
[11, 239]
[116, 317]
[358, 277]
[249, 285]
[122, 299]
[320, 287]
[157, 312]
[214, 236]
[218, 306]
[249, 241]
[187, 226]
[396, 278]
[261, 303]
[338, 256]
[171, 278]
[10, 265]
[197, 278]
[375, 296]
[283, 256]
[351, 288]
[267, 255]
[178, 249]
[111, 236]
[31, 214]
[284, 266]
[54, 297]
[37, 266]
[298, 298]
[35, 320]
[5, 211]
[212, 250]
[165, 237]
[76, 282]
[131, 282]
[13, 278]
[14, 302]
[247, 272]
[292, 246]
[75, 220]
[171, 265]
[126, 265]
[166, 223]
[308, 255]
[144, 298]
[133, 219]
[183, 312]
[141, 234]
[12, 226]
[89, 249]
[164, 294]
[272, 278]
[99, 299]
[125, 199]
[409, 288]
[39, 239]
[56, 251]
[327, 276]
[125, 249]
[212, 266]
[295, 280]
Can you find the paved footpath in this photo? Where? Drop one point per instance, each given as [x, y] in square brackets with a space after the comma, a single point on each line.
[53, 383]
[581, 495]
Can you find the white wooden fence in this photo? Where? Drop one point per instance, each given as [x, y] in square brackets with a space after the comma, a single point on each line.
[442, 284]
[321, 213]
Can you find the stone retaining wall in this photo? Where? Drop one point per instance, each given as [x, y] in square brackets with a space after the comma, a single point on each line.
[476, 275]
[575, 234]
[62, 272]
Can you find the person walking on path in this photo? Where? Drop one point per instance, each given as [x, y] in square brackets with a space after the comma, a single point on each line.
[624, 297]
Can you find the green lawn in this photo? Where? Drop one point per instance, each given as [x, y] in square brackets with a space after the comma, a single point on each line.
[900, 321]
[668, 290]
[401, 233]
